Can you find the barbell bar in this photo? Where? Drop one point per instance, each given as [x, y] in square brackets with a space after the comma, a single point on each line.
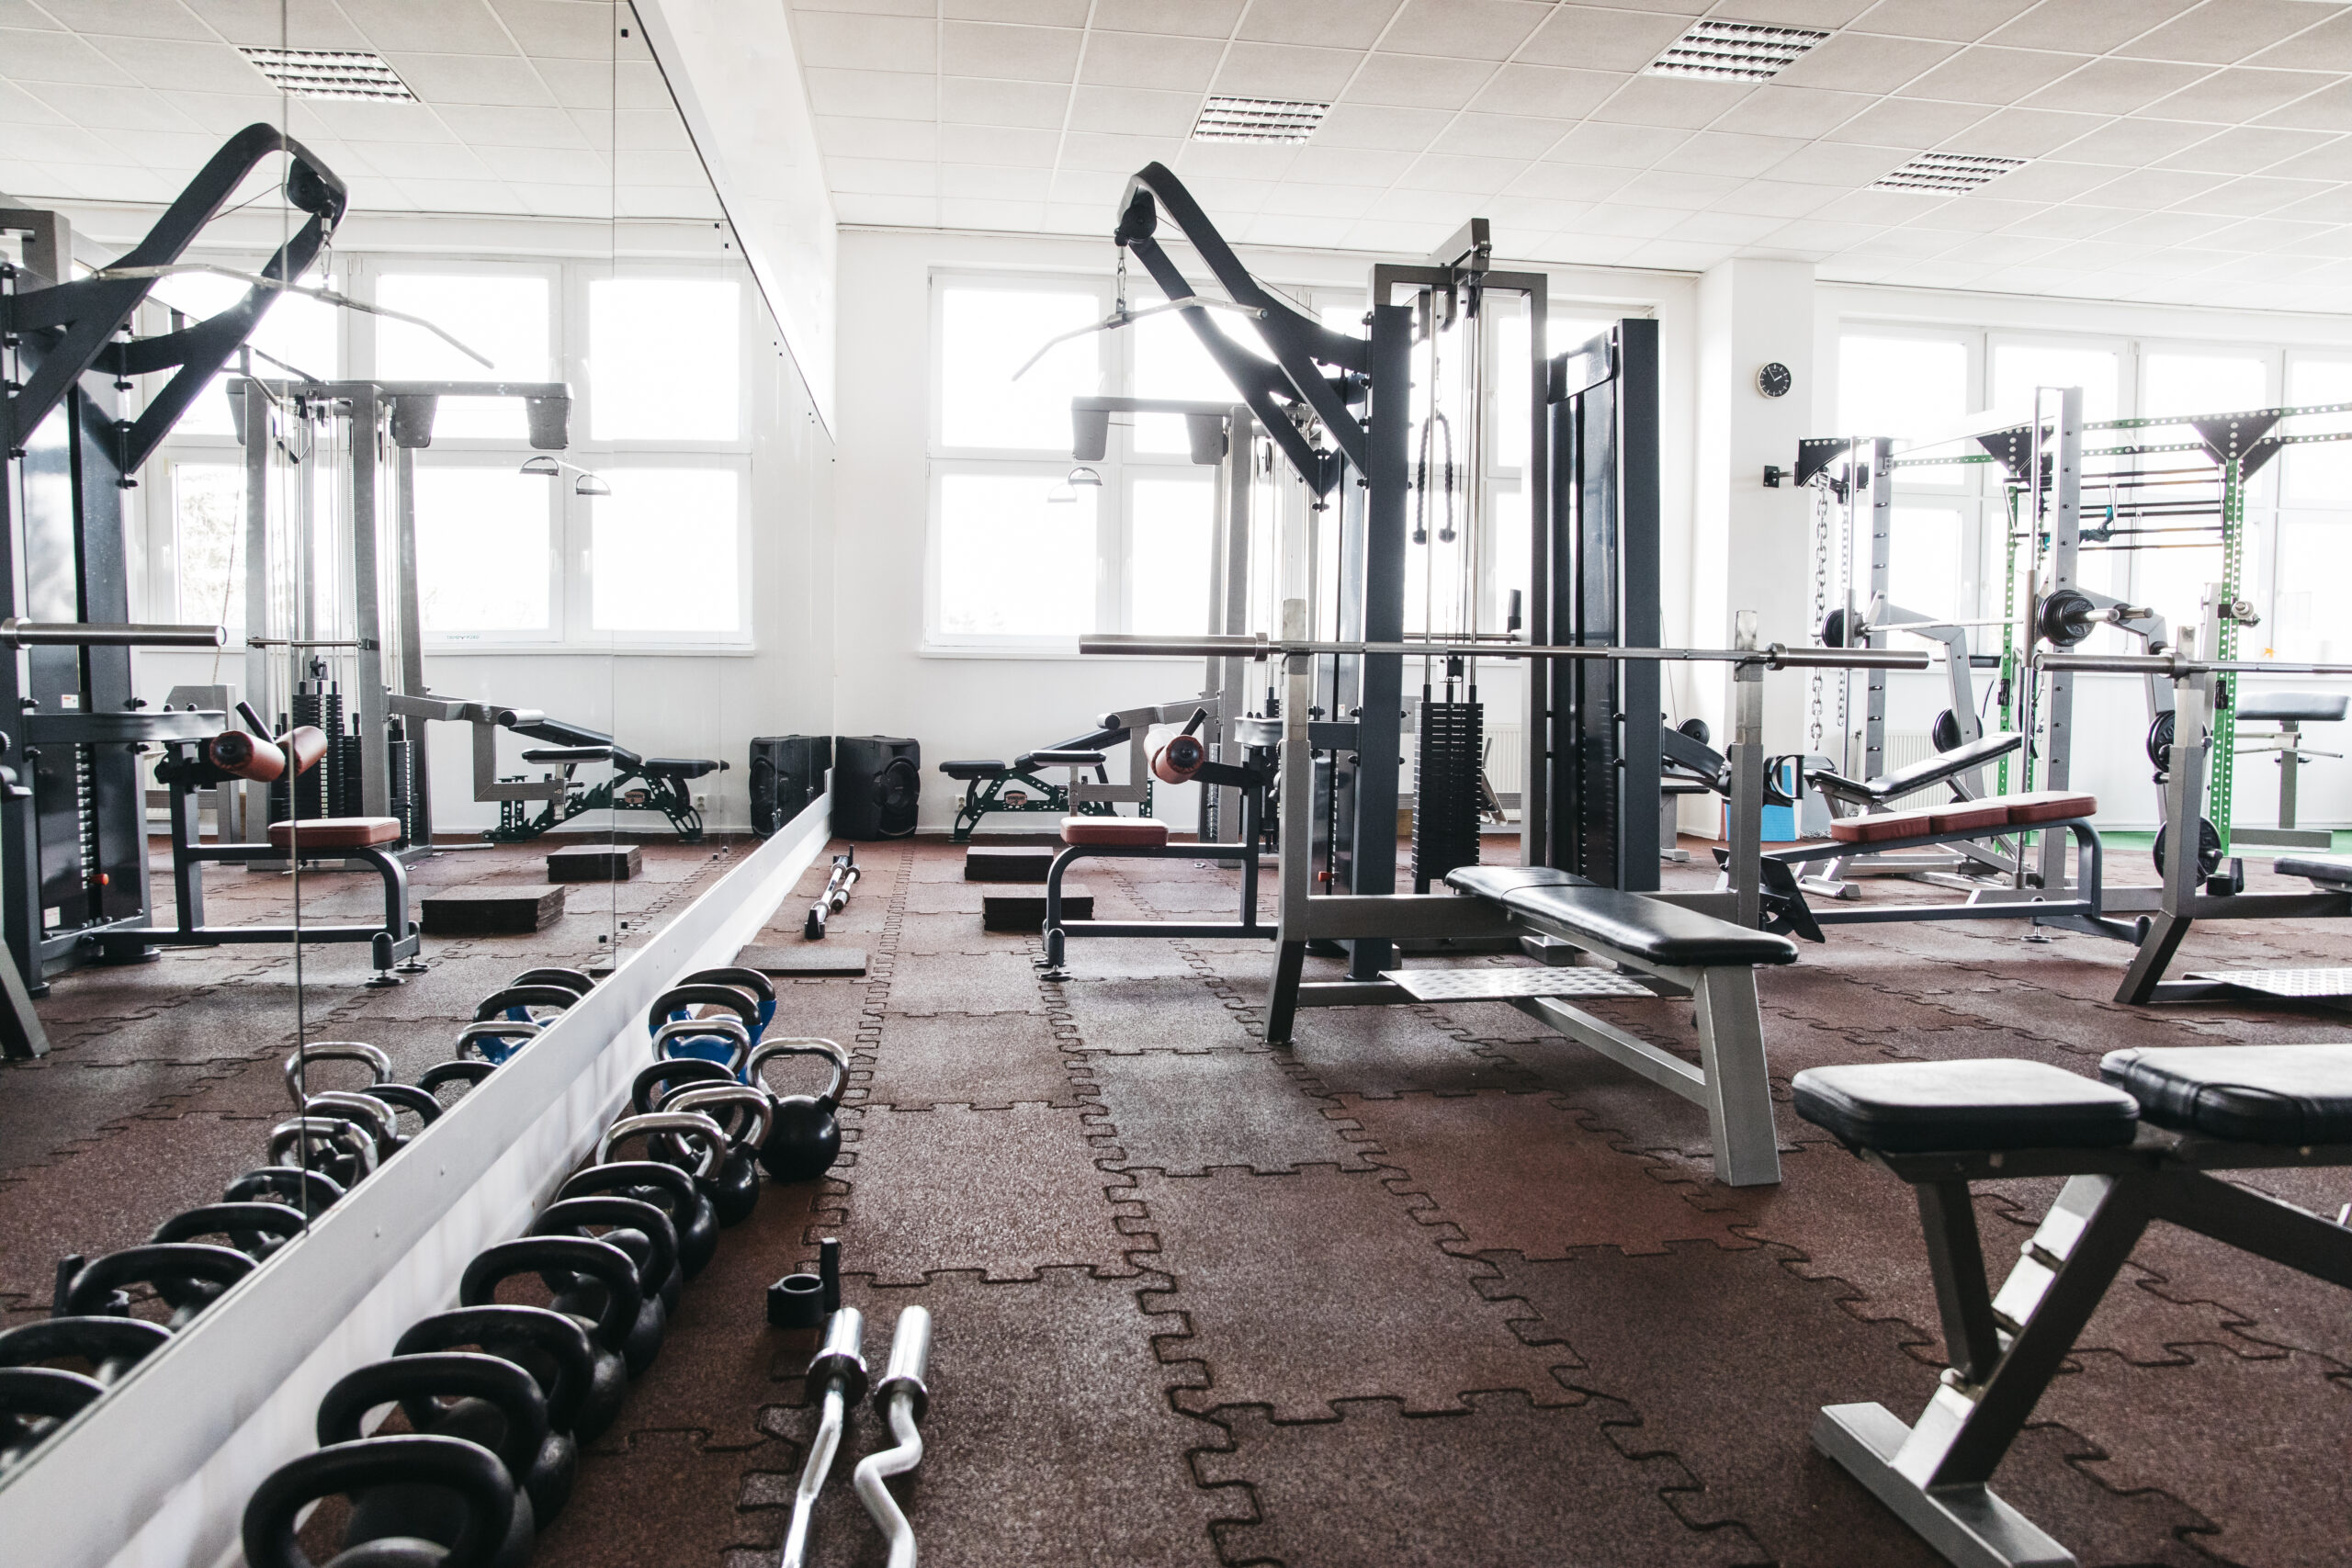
[14, 633]
[1259, 647]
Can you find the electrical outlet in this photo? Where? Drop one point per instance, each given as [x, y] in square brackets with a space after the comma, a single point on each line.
[702, 803]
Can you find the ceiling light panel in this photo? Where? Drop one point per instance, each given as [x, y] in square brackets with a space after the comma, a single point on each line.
[1738, 52]
[332, 73]
[1258, 120]
[1953, 173]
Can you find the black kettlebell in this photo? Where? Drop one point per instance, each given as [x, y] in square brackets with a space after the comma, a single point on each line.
[307, 1191]
[734, 1184]
[494, 1402]
[538, 1003]
[342, 1149]
[687, 1139]
[34, 1402]
[666, 1187]
[418, 1102]
[571, 980]
[804, 1139]
[657, 1079]
[467, 1471]
[744, 978]
[554, 1349]
[441, 1075]
[721, 1041]
[381, 1122]
[298, 1077]
[109, 1345]
[255, 1229]
[650, 1230]
[609, 1328]
[189, 1275]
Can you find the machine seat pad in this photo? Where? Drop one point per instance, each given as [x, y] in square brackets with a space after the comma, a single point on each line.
[681, 767]
[1952, 1107]
[2043, 805]
[1882, 826]
[337, 832]
[1921, 773]
[1123, 832]
[1647, 930]
[977, 768]
[2334, 869]
[2303, 707]
[1497, 881]
[2261, 1094]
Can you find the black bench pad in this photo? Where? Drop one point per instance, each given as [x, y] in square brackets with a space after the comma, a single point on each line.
[2321, 707]
[1639, 927]
[1949, 1107]
[2334, 869]
[2263, 1094]
[979, 767]
[1927, 770]
[680, 767]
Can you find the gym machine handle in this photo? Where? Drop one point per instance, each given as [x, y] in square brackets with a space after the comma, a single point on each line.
[1257, 645]
[14, 633]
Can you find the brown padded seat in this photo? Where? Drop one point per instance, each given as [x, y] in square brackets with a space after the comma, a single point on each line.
[1121, 831]
[337, 832]
[1966, 815]
[2049, 806]
[1885, 824]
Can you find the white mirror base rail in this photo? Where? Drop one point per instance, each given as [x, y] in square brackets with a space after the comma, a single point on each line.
[157, 1474]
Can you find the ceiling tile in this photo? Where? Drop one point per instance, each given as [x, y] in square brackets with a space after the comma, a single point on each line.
[457, 195]
[1139, 60]
[2319, 201]
[1960, 21]
[657, 169]
[1623, 217]
[2220, 32]
[225, 114]
[1774, 110]
[2073, 220]
[1315, 199]
[2146, 190]
[2087, 27]
[1687, 192]
[1442, 171]
[1351, 165]
[1362, 125]
[2001, 250]
[448, 26]
[1546, 91]
[1673, 101]
[1134, 110]
[2022, 133]
[1501, 136]
[2116, 87]
[893, 95]
[472, 79]
[845, 136]
[1776, 198]
[1430, 204]
[2229, 97]
[488, 126]
[36, 57]
[377, 122]
[1984, 75]
[1416, 81]
[1187, 18]
[2333, 162]
[1014, 217]
[1346, 24]
[1518, 219]
[1828, 162]
[406, 160]
[1595, 39]
[20, 107]
[2048, 180]
[1096, 189]
[1581, 183]
[1410, 239]
[1040, 13]
[1865, 62]
[1978, 214]
[636, 130]
[561, 201]
[563, 30]
[129, 18]
[2244, 149]
[63, 144]
[1041, 106]
[550, 165]
[111, 108]
[1294, 229]
[1125, 155]
[1678, 256]
[1617, 146]
[1917, 123]
[2264, 234]
[1006, 144]
[2327, 47]
[1285, 71]
[1723, 228]
[2132, 142]
[988, 183]
[593, 83]
[15, 14]
[1474, 29]
[1239, 160]
[844, 40]
[1008, 53]
[2163, 228]
[1821, 235]
[1720, 152]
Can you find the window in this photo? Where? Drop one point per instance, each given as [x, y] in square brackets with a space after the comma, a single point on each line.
[666, 553]
[502, 315]
[208, 537]
[2204, 383]
[1171, 362]
[1014, 562]
[1923, 570]
[2020, 368]
[987, 336]
[1168, 570]
[2319, 474]
[664, 359]
[305, 335]
[482, 551]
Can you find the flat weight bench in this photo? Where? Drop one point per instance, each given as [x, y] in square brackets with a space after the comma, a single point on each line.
[2289, 711]
[1670, 951]
[2141, 1146]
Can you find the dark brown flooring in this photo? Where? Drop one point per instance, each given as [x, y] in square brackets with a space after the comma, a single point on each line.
[1432, 1286]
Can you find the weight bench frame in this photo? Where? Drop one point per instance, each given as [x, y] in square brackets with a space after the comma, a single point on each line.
[2081, 910]
[1058, 931]
[2006, 1348]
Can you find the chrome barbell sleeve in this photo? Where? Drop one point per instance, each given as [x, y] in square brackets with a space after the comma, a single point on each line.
[903, 1399]
[837, 1378]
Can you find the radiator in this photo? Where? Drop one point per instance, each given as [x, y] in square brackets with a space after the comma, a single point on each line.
[1905, 747]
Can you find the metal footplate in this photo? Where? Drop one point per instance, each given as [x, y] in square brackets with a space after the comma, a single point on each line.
[1968, 1525]
[1501, 984]
[2304, 985]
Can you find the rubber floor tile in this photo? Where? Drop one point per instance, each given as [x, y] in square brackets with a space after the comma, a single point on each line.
[664, 1501]
[2087, 1028]
[947, 898]
[1183, 1013]
[1050, 1439]
[826, 1009]
[1392, 1051]
[987, 1061]
[1128, 958]
[1509, 1482]
[995, 982]
[451, 988]
[1861, 1005]
[1305, 1289]
[924, 935]
[1182, 1114]
[2268, 1302]
[1006, 1192]
[2273, 1476]
[1522, 1173]
[46, 1106]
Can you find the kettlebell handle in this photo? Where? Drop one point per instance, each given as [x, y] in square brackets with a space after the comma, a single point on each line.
[826, 1049]
[714, 1138]
[759, 1109]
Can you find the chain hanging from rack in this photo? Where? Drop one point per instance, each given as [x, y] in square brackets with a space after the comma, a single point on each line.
[1820, 601]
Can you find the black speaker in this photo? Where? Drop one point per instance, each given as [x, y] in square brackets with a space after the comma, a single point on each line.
[787, 772]
[878, 783]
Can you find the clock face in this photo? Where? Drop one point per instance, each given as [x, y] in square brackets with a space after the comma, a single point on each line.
[1774, 380]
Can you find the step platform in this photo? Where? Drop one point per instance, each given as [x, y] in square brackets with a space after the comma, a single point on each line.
[1025, 911]
[496, 909]
[1020, 863]
[1016, 838]
[816, 961]
[596, 863]
[2288, 984]
[1478, 984]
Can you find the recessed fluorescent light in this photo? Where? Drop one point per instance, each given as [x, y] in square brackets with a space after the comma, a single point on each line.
[332, 73]
[1740, 52]
[1258, 120]
[1952, 171]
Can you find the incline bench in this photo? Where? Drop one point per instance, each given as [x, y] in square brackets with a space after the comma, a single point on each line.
[1657, 949]
[2136, 1148]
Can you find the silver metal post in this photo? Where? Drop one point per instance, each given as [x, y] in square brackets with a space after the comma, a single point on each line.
[14, 633]
[1746, 828]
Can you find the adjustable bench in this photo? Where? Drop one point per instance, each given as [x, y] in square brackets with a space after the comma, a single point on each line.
[1650, 948]
[992, 786]
[2289, 711]
[2141, 1146]
[1964, 821]
[1959, 768]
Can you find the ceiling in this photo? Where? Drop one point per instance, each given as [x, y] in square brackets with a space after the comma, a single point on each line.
[2179, 151]
[530, 106]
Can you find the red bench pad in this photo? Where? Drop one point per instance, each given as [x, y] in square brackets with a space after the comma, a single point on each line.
[1123, 831]
[1883, 826]
[1967, 816]
[337, 832]
[2049, 806]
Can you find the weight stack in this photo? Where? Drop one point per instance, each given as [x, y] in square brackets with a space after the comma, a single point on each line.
[877, 784]
[787, 772]
[401, 787]
[343, 784]
[1445, 790]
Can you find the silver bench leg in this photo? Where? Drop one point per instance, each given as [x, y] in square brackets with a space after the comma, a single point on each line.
[1739, 1091]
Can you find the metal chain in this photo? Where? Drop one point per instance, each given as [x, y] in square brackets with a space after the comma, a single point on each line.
[1820, 596]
